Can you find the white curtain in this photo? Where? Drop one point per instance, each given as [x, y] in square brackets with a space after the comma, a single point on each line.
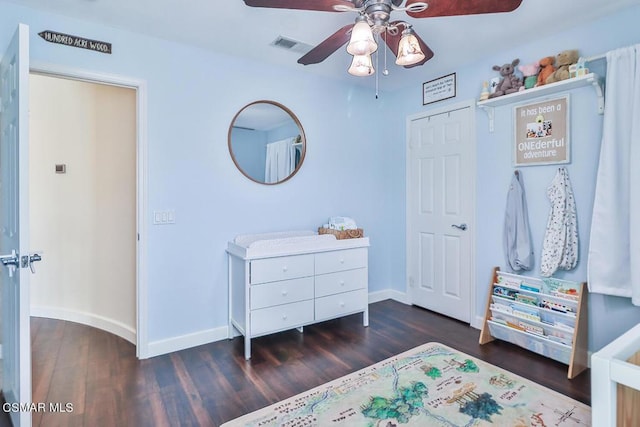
[614, 249]
[281, 160]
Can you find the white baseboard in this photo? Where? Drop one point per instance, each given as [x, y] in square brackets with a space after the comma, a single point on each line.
[169, 345]
[388, 294]
[477, 322]
[89, 319]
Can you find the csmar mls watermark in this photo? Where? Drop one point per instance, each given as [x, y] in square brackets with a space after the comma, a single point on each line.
[37, 407]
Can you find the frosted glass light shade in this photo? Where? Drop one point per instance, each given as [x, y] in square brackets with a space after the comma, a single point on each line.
[409, 51]
[361, 42]
[361, 66]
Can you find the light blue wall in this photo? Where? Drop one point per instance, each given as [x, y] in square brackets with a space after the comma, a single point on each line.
[192, 97]
[355, 163]
[608, 316]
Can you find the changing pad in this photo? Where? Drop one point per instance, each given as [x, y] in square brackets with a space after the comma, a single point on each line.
[266, 245]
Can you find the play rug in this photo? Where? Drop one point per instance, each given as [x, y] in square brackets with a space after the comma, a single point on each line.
[430, 385]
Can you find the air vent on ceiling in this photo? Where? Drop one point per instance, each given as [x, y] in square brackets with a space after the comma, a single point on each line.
[290, 44]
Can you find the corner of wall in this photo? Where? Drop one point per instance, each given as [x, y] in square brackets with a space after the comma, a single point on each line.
[169, 345]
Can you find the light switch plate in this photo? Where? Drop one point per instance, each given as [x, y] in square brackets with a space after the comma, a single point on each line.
[164, 217]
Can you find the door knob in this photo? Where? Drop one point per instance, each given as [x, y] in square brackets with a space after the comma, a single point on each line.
[460, 227]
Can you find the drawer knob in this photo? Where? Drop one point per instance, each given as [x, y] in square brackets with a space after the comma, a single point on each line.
[341, 282]
[284, 268]
[284, 317]
[341, 303]
[341, 260]
[284, 293]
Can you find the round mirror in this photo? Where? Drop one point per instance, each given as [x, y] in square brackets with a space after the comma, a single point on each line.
[267, 142]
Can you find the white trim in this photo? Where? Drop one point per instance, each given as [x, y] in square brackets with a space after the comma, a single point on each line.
[169, 345]
[388, 294]
[141, 338]
[477, 322]
[471, 104]
[89, 319]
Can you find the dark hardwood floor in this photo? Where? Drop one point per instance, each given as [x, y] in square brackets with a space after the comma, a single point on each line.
[99, 374]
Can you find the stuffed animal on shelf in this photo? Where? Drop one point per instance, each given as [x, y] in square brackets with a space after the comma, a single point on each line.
[530, 73]
[546, 69]
[509, 82]
[564, 60]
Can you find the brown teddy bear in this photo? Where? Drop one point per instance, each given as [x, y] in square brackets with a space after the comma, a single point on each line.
[546, 69]
[564, 59]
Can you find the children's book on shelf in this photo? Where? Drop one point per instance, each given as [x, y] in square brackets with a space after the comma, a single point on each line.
[543, 315]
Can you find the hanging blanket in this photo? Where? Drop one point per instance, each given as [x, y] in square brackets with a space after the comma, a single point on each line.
[518, 250]
[560, 246]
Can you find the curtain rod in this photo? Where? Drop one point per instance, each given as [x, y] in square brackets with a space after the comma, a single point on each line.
[595, 57]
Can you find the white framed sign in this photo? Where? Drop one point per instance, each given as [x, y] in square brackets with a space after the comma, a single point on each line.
[541, 133]
[439, 89]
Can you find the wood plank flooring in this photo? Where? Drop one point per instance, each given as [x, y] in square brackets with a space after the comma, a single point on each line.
[208, 385]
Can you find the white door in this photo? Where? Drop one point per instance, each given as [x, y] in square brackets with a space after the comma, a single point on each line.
[14, 233]
[440, 203]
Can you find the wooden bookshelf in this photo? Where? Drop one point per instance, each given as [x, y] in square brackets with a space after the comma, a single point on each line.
[546, 316]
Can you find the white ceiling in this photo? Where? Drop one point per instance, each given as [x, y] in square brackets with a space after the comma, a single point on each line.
[225, 25]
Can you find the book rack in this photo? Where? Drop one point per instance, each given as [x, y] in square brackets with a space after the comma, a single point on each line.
[546, 316]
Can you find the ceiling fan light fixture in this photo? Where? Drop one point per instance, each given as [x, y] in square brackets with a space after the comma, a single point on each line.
[361, 42]
[409, 51]
[361, 66]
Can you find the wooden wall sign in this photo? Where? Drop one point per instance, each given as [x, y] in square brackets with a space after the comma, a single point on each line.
[542, 133]
[75, 41]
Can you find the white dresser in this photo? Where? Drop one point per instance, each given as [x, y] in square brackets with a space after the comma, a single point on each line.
[280, 281]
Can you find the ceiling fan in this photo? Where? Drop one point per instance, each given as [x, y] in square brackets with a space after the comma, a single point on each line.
[374, 18]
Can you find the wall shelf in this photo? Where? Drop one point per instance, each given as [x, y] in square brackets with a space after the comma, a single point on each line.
[540, 91]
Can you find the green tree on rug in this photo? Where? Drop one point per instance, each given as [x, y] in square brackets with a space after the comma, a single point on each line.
[432, 372]
[482, 407]
[468, 366]
[406, 403]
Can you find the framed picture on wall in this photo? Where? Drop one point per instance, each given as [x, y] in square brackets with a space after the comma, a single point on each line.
[439, 89]
[541, 133]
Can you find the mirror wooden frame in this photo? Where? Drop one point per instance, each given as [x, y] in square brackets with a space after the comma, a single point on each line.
[294, 118]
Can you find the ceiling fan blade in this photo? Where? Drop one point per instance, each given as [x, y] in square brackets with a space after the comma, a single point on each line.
[393, 41]
[320, 5]
[327, 47]
[463, 7]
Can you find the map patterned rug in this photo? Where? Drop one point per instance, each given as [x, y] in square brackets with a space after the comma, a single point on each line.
[430, 385]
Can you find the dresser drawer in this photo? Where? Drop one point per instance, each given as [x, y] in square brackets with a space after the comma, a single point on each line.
[341, 304]
[282, 292]
[327, 262]
[342, 281]
[281, 317]
[282, 268]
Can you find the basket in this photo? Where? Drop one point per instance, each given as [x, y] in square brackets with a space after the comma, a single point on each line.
[343, 234]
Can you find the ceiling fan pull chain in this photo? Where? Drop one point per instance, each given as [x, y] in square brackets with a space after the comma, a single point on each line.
[377, 68]
[385, 71]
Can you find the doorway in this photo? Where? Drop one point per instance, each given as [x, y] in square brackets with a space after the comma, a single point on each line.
[440, 211]
[84, 202]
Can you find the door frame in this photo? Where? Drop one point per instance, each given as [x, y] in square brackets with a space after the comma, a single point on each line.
[471, 104]
[140, 86]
